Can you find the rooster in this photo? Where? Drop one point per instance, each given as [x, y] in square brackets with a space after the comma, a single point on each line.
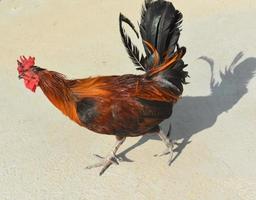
[128, 105]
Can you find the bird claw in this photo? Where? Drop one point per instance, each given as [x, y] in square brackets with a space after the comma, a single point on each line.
[105, 162]
[166, 152]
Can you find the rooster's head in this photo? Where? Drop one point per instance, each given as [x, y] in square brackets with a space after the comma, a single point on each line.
[29, 72]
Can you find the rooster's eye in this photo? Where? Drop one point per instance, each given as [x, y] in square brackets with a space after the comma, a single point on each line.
[34, 69]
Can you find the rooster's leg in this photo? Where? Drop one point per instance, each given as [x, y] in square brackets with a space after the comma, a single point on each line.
[169, 144]
[110, 159]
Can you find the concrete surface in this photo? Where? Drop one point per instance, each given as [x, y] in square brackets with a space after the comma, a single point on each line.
[43, 154]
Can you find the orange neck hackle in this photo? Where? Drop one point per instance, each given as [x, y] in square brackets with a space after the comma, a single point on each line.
[55, 87]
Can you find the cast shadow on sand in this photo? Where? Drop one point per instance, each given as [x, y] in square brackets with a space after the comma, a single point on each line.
[193, 114]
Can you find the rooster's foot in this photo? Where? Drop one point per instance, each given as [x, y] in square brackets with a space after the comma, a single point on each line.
[166, 152]
[105, 162]
[169, 144]
[109, 160]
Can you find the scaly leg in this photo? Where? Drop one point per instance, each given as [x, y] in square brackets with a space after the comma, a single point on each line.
[169, 145]
[110, 159]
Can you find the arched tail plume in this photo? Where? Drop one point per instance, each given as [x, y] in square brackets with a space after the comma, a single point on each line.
[160, 31]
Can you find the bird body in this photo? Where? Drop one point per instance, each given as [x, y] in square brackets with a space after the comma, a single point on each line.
[127, 105]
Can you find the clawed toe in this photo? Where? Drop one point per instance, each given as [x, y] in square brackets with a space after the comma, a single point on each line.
[113, 158]
[166, 152]
[169, 144]
[109, 160]
[104, 162]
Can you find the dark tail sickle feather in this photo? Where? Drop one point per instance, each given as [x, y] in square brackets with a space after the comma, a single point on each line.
[160, 32]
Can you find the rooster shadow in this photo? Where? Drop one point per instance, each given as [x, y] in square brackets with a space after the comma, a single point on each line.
[193, 114]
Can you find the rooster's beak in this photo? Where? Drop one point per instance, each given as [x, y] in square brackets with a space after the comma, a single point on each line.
[21, 76]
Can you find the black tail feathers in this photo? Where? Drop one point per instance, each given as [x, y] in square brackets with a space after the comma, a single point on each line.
[174, 77]
[160, 26]
[131, 49]
[160, 32]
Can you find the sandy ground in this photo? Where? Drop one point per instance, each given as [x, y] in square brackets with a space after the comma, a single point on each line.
[43, 154]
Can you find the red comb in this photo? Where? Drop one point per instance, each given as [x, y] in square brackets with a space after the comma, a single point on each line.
[26, 63]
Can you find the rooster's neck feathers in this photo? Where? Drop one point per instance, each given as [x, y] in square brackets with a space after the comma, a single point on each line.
[55, 87]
